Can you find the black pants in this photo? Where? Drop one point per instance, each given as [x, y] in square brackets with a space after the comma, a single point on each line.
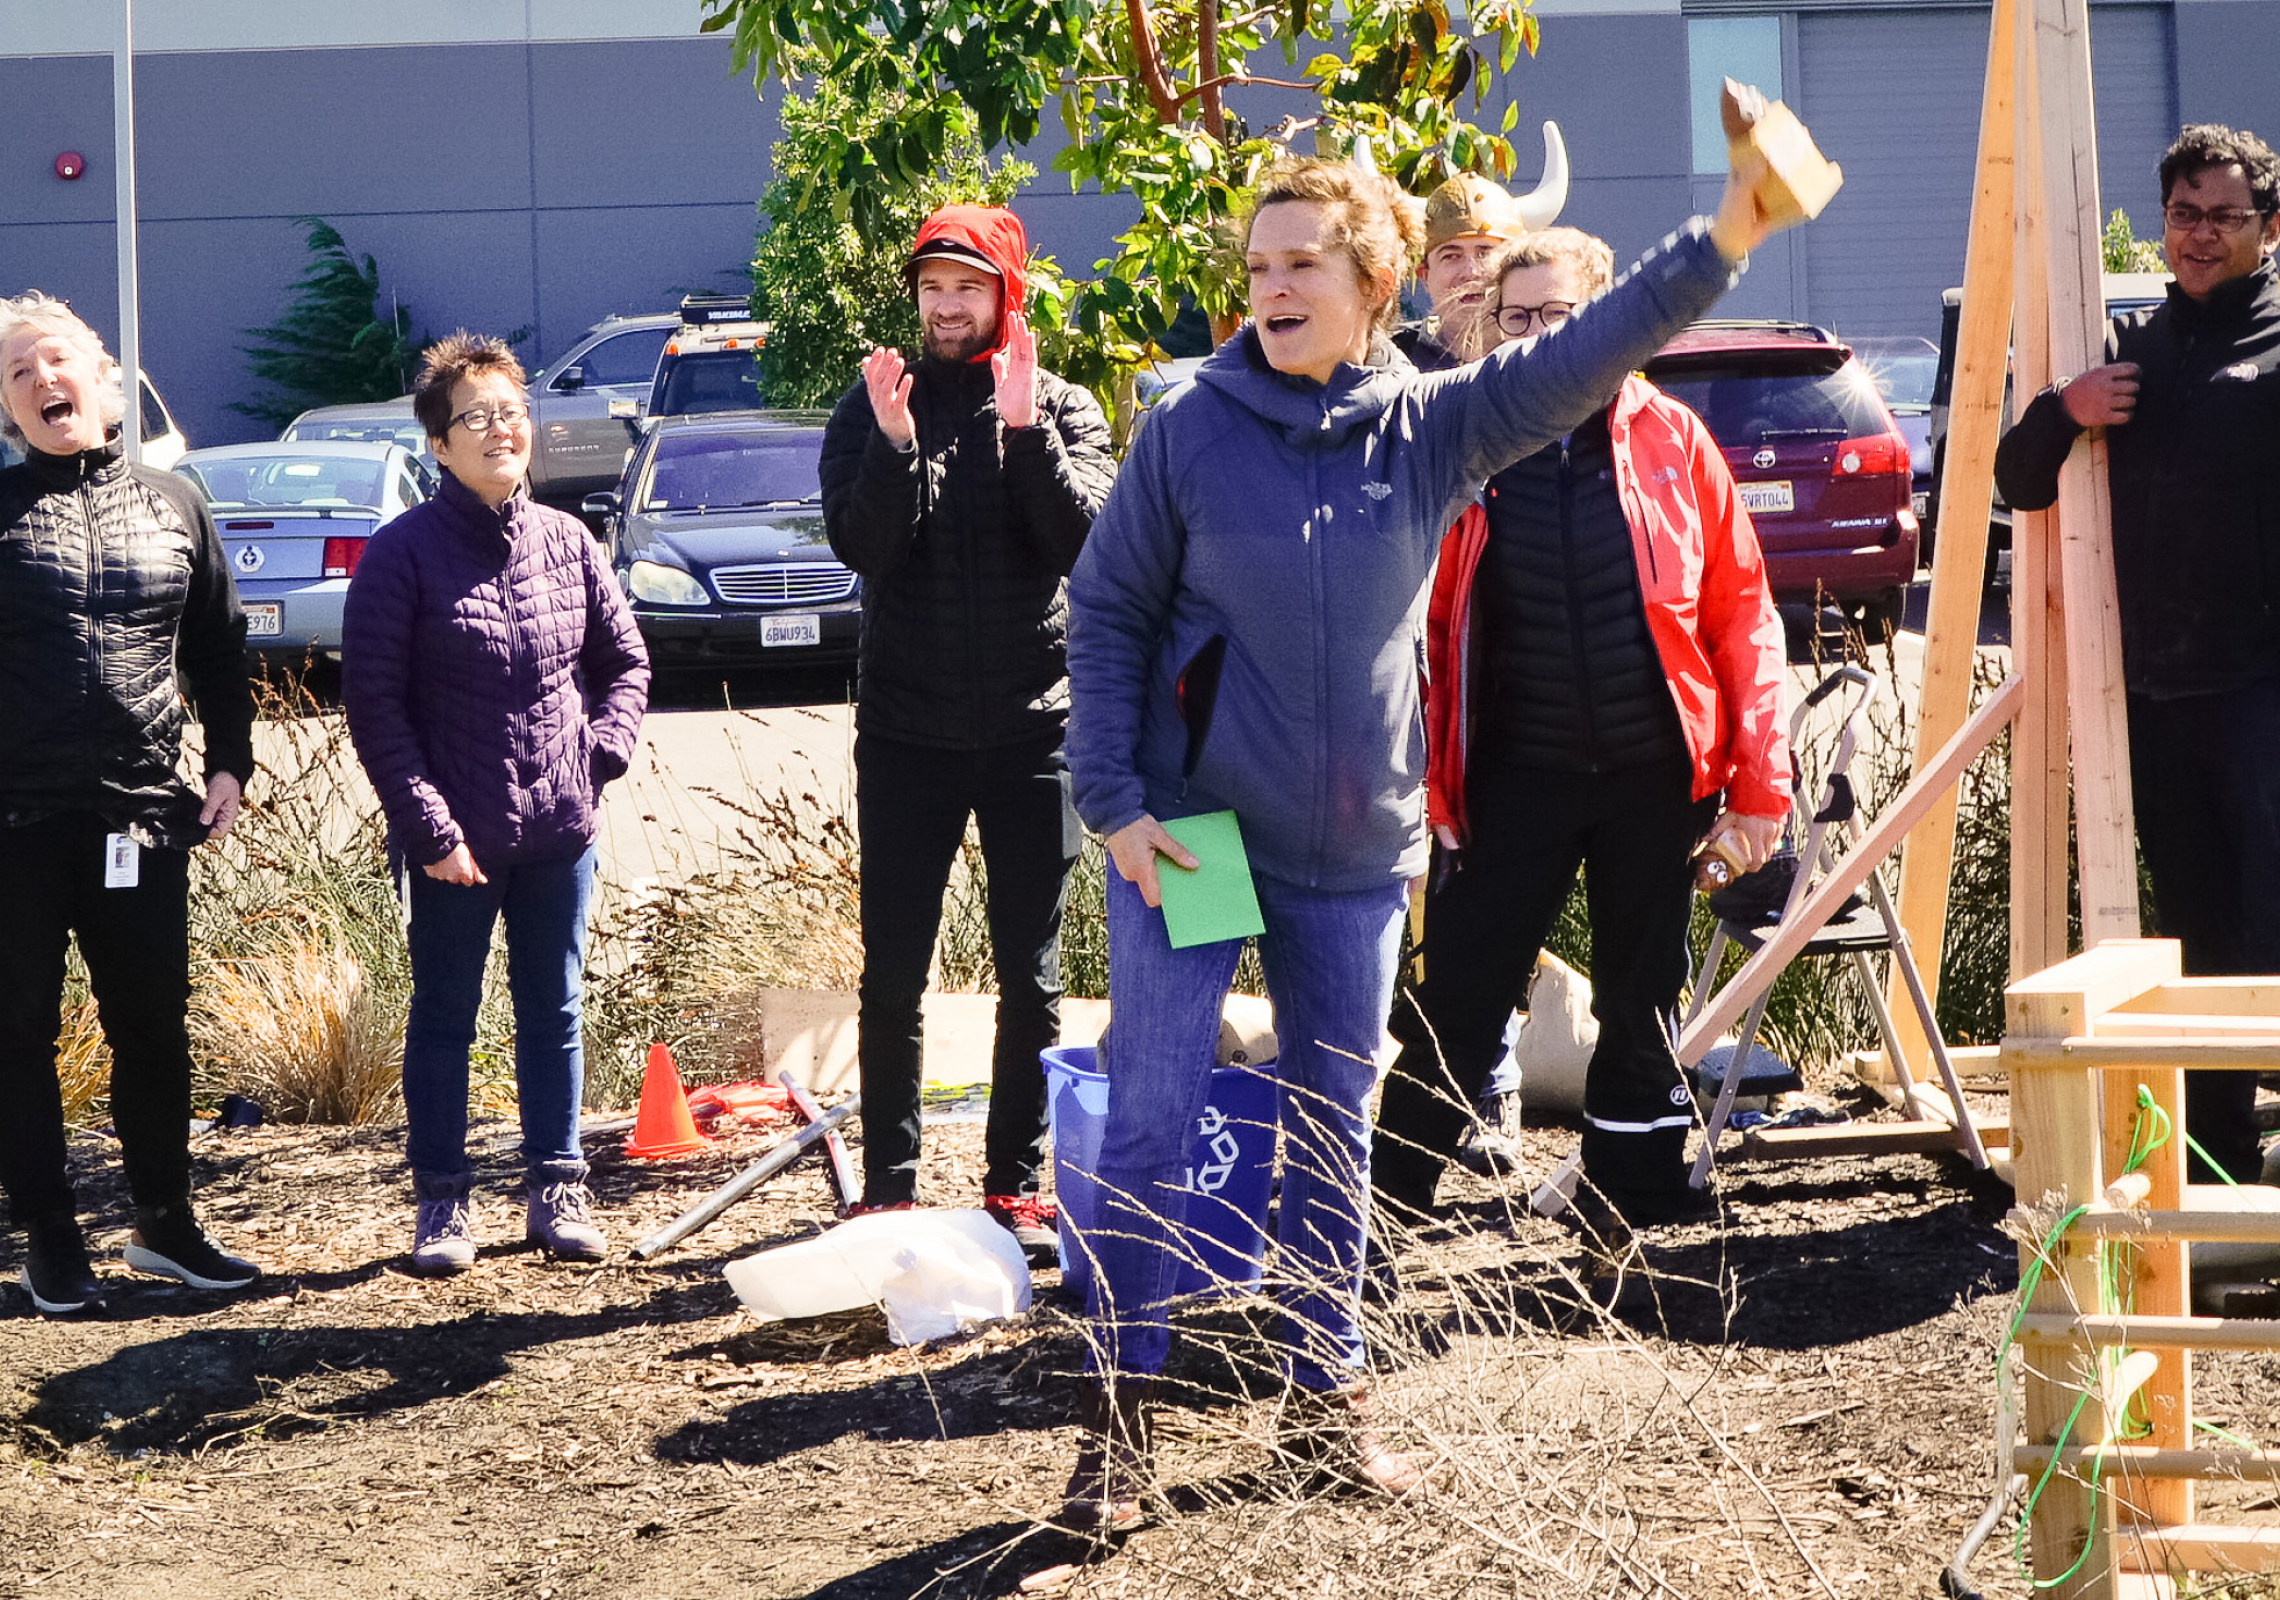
[911, 805]
[2205, 773]
[136, 944]
[1632, 833]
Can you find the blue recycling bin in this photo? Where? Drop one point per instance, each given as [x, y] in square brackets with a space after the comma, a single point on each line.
[1230, 1171]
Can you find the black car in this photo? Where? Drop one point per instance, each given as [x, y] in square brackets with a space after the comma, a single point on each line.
[716, 533]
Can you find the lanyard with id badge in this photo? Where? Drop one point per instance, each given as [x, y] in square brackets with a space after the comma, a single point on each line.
[122, 862]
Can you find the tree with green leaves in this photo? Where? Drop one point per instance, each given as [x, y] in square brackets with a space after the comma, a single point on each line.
[333, 347]
[1142, 89]
[2124, 251]
[832, 291]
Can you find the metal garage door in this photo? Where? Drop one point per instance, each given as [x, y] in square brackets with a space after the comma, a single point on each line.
[1894, 96]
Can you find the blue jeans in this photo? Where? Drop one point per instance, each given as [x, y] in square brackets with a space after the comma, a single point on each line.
[450, 935]
[1329, 961]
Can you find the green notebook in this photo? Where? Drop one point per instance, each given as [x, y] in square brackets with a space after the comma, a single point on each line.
[1215, 901]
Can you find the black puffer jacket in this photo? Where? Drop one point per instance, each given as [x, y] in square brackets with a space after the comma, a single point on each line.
[114, 597]
[2192, 480]
[963, 544]
[1573, 680]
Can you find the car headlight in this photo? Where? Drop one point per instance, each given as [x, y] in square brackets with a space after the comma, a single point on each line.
[657, 584]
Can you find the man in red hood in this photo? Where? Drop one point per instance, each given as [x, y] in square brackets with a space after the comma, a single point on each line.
[960, 486]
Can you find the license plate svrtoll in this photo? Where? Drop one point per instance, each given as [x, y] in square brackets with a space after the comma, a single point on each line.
[1775, 496]
[264, 620]
[798, 627]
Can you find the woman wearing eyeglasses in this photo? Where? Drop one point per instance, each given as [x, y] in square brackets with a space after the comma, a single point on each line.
[1604, 666]
[494, 681]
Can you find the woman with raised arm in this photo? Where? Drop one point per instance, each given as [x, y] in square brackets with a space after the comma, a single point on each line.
[1243, 636]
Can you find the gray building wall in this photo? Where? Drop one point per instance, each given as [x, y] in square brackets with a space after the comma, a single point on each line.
[511, 178]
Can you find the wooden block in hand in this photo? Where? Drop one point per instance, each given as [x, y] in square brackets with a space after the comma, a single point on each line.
[1799, 180]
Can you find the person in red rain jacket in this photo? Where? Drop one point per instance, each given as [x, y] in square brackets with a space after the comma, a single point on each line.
[1605, 669]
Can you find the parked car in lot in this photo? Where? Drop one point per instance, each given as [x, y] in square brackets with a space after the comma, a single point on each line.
[374, 421]
[294, 517]
[1821, 466]
[585, 405]
[1903, 368]
[709, 364]
[717, 537]
[2125, 291]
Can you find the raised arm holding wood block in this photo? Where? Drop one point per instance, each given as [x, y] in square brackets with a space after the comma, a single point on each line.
[1799, 181]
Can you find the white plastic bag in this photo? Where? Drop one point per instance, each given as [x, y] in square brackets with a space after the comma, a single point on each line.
[933, 1272]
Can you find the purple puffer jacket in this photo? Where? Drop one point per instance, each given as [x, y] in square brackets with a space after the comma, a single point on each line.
[473, 644]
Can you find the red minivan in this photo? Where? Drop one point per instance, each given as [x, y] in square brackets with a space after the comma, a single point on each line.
[1822, 467]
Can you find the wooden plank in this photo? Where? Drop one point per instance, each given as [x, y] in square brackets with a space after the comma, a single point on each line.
[2138, 1460]
[1959, 556]
[2104, 832]
[2114, 1055]
[2180, 1024]
[2202, 1547]
[2203, 996]
[2055, 1159]
[2039, 772]
[2155, 1274]
[2065, 1000]
[1821, 902]
[2236, 1227]
[2109, 1330]
[1864, 1139]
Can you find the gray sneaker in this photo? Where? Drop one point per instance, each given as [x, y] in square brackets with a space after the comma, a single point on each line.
[1493, 1148]
[562, 1222]
[443, 1241]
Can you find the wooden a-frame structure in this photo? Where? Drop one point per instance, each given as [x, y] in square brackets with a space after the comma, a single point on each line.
[2096, 1046]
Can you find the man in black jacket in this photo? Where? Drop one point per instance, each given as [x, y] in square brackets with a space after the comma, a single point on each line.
[961, 488]
[2190, 401]
[114, 597]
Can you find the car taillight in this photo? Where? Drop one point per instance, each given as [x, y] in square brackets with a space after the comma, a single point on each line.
[341, 557]
[1878, 452]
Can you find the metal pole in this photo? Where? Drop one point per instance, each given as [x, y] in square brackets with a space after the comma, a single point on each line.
[130, 302]
[707, 1210]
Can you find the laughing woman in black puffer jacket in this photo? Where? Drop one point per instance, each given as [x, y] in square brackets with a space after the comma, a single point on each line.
[115, 602]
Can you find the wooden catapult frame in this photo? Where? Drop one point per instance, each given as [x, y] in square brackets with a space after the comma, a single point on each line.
[2096, 1046]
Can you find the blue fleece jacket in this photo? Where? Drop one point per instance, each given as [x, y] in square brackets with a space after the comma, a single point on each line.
[1295, 523]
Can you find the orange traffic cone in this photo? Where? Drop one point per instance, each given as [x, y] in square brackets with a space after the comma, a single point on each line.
[663, 1128]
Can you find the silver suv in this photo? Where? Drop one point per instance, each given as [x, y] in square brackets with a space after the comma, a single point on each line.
[583, 404]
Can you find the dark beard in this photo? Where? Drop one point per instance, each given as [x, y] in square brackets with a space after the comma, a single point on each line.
[962, 348]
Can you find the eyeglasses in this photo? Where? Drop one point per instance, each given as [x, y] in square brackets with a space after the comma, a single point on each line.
[478, 419]
[2225, 219]
[1515, 321]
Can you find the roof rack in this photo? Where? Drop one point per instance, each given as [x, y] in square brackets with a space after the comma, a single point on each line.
[701, 310]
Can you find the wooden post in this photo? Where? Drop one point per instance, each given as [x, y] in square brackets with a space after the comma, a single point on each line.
[1959, 559]
[2056, 1138]
[2155, 1279]
[2104, 830]
[2039, 736]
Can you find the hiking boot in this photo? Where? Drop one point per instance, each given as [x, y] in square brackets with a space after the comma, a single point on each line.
[57, 1274]
[443, 1237]
[1034, 1222]
[560, 1220]
[1115, 1472]
[168, 1243]
[1492, 1149]
[1335, 1432]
